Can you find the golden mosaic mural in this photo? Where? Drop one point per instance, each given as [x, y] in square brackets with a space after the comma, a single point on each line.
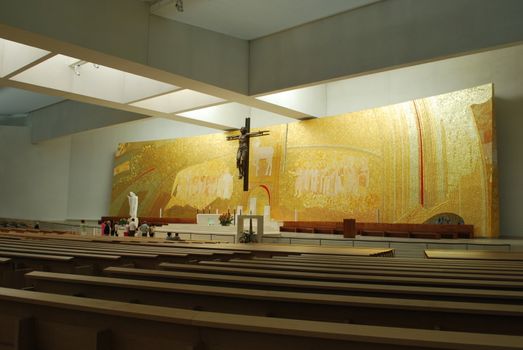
[403, 163]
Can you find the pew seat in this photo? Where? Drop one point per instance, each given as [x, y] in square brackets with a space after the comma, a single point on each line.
[85, 323]
[412, 313]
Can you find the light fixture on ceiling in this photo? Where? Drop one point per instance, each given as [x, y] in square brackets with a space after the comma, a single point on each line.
[76, 66]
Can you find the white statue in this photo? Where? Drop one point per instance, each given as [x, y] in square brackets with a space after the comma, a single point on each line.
[133, 204]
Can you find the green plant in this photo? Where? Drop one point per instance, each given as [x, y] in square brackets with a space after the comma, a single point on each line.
[225, 219]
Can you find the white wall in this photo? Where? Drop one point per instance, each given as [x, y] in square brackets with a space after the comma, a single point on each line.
[70, 177]
[33, 178]
[502, 67]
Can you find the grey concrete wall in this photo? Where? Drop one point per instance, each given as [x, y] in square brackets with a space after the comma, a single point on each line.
[116, 27]
[70, 117]
[509, 123]
[33, 178]
[386, 34]
[124, 28]
[199, 54]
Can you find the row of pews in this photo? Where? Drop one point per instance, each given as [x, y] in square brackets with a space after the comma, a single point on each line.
[213, 296]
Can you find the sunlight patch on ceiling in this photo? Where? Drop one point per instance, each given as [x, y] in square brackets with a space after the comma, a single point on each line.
[178, 101]
[72, 75]
[14, 56]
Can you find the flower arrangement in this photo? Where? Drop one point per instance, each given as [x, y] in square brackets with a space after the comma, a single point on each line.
[225, 219]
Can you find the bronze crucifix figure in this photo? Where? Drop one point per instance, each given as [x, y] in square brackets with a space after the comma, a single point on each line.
[242, 155]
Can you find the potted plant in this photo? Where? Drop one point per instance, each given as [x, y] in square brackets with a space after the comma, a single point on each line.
[225, 219]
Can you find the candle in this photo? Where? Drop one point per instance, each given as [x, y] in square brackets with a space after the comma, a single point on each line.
[250, 225]
[295, 214]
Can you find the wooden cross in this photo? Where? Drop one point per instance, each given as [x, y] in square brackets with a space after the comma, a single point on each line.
[242, 156]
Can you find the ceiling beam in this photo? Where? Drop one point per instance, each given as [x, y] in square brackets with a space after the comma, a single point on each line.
[59, 47]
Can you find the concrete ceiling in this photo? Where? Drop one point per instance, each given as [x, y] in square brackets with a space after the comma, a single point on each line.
[16, 102]
[251, 19]
[245, 19]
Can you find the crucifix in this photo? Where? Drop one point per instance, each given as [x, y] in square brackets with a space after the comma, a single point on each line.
[242, 156]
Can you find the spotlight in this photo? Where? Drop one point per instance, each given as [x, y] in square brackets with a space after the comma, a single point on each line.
[76, 66]
[179, 5]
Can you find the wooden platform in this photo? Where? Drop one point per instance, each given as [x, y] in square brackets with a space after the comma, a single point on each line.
[473, 255]
[261, 248]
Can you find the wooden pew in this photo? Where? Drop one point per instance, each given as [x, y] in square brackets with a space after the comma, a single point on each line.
[338, 277]
[407, 261]
[396, 263]
[402, 230]
[413, 313]
[269, 250]
[60, 322]
[329, 227]
[346, 288]
[51, 262]
[4, 262]
[271, 266]
[171, 252]
[22, 262]
[381, 267]
[474, 255]
[6, 265]
[87, 252]
[137, 253]
[97, 261]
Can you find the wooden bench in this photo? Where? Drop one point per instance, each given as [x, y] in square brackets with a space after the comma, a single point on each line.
[474, 255]
[328, 227]
[268, 250]
[97, 261]
[152, 248]
[129, 254]
[236, 249]
[407, 261]
[331, 287]
[362, 270]
[22, 262]
[402, 230]
[59, 321]
[385, 266]
[414, 313]
[339, 277]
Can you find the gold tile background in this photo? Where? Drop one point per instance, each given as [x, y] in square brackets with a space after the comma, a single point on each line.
[400, 163]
